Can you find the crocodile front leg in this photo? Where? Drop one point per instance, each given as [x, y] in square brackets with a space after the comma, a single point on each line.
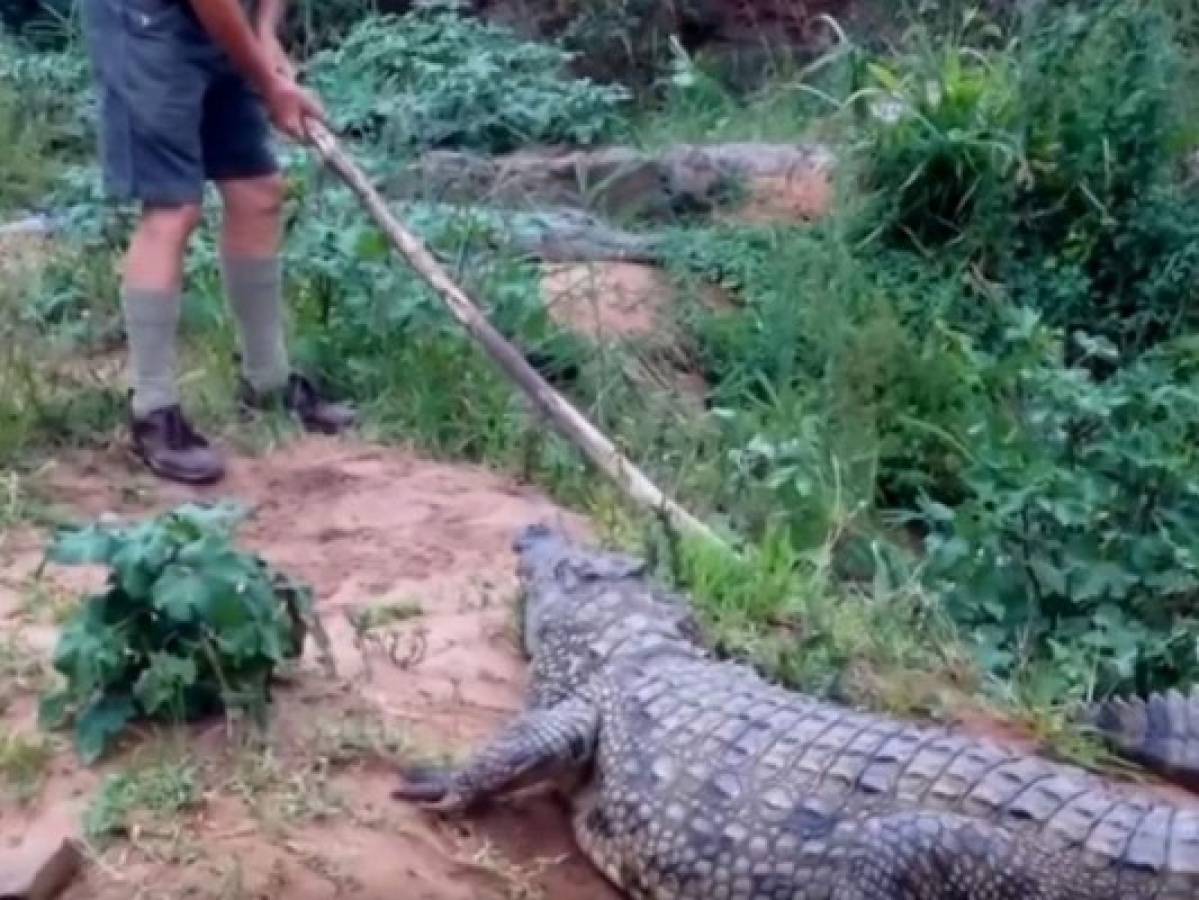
[538, 746]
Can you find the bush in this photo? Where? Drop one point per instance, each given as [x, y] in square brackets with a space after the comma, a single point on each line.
[49, 95]
[185, 626]
[432, 78]
[45, 24]
[1049, 165]
[1074, 553]
[862, 349]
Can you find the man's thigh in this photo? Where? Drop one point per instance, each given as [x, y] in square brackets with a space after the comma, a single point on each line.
[152, 64]
[173, 113]
[235, 132]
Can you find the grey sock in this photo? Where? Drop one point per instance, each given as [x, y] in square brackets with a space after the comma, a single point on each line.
[152, 323]
[255, 289]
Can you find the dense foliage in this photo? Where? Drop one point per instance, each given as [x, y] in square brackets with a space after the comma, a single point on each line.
[993, 351]
[186, 625]
[1051, 164]
[1075, 551]
[432, 78]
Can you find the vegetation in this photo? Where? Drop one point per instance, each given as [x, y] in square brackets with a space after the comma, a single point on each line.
[186, 626]
[156, 791]
[953, 423]
[433, 79]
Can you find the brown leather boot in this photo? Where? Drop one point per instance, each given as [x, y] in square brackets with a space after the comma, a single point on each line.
[165, 441]
[301, 398]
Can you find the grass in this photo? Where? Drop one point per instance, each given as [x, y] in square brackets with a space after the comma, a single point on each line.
[24, 762]
[381, 615]
[22, 669]
[46, 601]
[148, 796]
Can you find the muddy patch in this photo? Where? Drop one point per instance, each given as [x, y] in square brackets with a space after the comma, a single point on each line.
[414, 575]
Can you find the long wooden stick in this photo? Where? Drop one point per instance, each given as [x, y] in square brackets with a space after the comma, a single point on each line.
[569, 421]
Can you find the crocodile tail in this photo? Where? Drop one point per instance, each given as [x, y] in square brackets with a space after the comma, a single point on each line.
[1161, 733]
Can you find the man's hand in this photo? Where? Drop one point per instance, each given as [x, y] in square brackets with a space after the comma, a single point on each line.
[289, 105]
[253, 55]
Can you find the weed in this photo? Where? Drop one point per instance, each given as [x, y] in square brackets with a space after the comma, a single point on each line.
[520, 882]
[357, 739]
[187, 626]
[1071, 561]
[25, 174]
[457, 83]
[157, 792]
[784, 611]
[1048, 163]
[23, 764]
[43, 600]
[283, 793]
[384, 614]
[22, 669]
[49, 397]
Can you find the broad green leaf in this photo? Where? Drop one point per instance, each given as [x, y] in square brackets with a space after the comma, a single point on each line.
[209, 519]
[161, 687]
[91, 545]
[100, 722]
[182, 593]
[372, 246]
[54, 709]
[137, 563]
[91, 655]
[885, 77]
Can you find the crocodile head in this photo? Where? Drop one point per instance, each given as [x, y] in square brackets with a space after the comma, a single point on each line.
[590, 604]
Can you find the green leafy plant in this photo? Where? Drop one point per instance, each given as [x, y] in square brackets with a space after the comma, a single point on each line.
[50, 92]
[187, 625]
[1073, 557]
[158, 791]
[24, 761]
[433, 78]
[1048, 163]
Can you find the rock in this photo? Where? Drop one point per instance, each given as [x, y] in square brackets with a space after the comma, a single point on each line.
[31, 226]
[40, 868]
[606, 302]
[566, 235]
[612, 181]
[620, 182]
[617, 301]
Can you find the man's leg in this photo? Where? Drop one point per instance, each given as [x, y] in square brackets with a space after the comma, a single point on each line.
[253, 277]
[150, 298]
[238, 158]
[151, 94]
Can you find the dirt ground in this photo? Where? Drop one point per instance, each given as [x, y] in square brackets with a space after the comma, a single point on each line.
[310, 816]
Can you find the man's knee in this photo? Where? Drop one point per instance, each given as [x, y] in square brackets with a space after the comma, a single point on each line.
[173, 224]
[256, 199]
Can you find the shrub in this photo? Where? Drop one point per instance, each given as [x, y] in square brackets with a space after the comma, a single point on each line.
[185, 626]
[1075, 550]
[50, 94]
[432, 78]
[1049, 166]
[45, 24]
[861, 348]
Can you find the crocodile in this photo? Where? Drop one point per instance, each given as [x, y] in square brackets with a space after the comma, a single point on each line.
[692, 776]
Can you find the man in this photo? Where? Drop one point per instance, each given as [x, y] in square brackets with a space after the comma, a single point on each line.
[186, 88]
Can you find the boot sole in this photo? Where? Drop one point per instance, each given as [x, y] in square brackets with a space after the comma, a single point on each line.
[173, 476]
[249, 413]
